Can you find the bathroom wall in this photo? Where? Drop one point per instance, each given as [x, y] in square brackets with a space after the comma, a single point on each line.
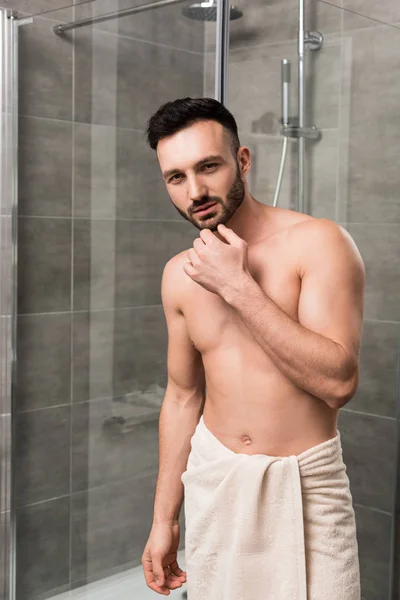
[353, 178]
[96, 228]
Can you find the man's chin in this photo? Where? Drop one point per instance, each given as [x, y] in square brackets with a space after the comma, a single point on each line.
[211, 224]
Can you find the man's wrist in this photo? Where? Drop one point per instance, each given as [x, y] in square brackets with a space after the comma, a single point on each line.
[239, 289]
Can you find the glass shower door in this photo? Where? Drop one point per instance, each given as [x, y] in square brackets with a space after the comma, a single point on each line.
[351, 177]
[95, 229]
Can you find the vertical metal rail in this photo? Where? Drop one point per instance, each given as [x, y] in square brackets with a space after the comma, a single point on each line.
[8, 201]
[14, 24]
[222, 52]
[301, 109]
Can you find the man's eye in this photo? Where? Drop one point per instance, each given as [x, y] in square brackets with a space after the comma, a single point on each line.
[173, 178]
[210, 165]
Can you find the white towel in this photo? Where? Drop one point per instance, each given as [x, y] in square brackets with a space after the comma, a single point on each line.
[262, 527]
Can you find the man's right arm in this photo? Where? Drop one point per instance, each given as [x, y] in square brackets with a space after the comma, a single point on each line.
[183, 402]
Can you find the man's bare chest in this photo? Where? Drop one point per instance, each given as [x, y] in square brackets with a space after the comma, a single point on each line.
[211, 321]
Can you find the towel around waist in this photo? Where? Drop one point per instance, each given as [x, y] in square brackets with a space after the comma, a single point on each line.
[316, 462]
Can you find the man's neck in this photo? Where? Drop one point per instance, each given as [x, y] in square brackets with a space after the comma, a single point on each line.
[249, 221]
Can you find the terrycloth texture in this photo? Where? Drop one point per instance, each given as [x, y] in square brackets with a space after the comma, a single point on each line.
[262, 527]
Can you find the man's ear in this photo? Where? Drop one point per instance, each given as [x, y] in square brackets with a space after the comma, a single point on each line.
[244, 160]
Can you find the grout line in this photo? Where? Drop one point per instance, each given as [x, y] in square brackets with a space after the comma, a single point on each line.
[138, 306]
[112, 398]
[24, 116]
[89, 489]
[146, 219]
[89, 310]
[331, 36]
[110, 219]
[107, 32]
[143, 41]
[373, 509]
[152, 409]
[354, 12]
[372, 415]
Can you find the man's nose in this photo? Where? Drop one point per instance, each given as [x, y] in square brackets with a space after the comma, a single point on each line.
[196, 189]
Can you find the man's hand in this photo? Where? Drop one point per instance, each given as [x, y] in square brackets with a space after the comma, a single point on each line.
[159, 560]
[216, 266]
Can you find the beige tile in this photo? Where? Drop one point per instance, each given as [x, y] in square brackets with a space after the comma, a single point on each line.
[58, 10]
[113, 90]
[369, 452]
[266, 152]
[321, 175]
[120, 354]
[255, 84]
[117, 175]
[106, 452]
[43, 342]
[43, 548]
[387, 11]
[142, 250]
[44, 167]
[374, 542]
[42, 463]
[369, 127]
[94, 263]
[324, 75]
[164, 25]
[377, 390]
[44, 265]
[379, 245]
[45, 71]
[271, 22]
[264, 22]
[110, 527]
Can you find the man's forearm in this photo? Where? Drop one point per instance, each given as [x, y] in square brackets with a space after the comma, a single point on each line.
[311, 361]
[176, 427]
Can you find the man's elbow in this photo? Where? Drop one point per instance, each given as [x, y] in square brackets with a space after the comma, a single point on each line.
[344, 391]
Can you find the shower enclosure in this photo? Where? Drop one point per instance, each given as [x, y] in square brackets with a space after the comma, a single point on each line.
[86, 228]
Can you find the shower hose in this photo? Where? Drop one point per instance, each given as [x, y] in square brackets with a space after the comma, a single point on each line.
[281, 169]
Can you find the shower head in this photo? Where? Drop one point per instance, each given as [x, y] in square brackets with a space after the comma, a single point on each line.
[207, 11]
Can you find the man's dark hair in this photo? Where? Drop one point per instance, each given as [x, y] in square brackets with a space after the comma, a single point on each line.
[184, 112]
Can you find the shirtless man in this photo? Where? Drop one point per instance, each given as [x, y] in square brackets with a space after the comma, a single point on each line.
[264, 316]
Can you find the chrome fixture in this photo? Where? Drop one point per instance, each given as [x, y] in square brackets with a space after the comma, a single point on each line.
[207, 11]
[296, 127]
[201, 11]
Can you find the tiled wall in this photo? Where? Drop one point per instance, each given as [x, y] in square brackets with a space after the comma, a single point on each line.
[96, 228]
[353, 178]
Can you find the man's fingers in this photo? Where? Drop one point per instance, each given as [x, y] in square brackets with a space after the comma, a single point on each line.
[177, 570]
[162, 579]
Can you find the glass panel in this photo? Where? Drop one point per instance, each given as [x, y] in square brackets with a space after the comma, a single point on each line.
[96, 228]
[351, 177]
[7, 147]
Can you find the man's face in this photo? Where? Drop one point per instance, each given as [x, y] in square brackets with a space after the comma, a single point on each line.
[199, 168]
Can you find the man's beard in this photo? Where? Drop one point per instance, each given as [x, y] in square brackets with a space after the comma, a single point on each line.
[234, 199]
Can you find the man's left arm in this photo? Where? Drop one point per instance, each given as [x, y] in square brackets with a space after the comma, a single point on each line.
[320, 353]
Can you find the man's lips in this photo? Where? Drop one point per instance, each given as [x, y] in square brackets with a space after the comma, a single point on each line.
[204, 206]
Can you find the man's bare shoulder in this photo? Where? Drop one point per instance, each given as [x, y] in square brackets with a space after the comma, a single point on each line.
[175, 282]
[314, 238]
[174, 267]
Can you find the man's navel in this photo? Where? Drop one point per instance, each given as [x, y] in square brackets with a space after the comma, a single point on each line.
[246, 439]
